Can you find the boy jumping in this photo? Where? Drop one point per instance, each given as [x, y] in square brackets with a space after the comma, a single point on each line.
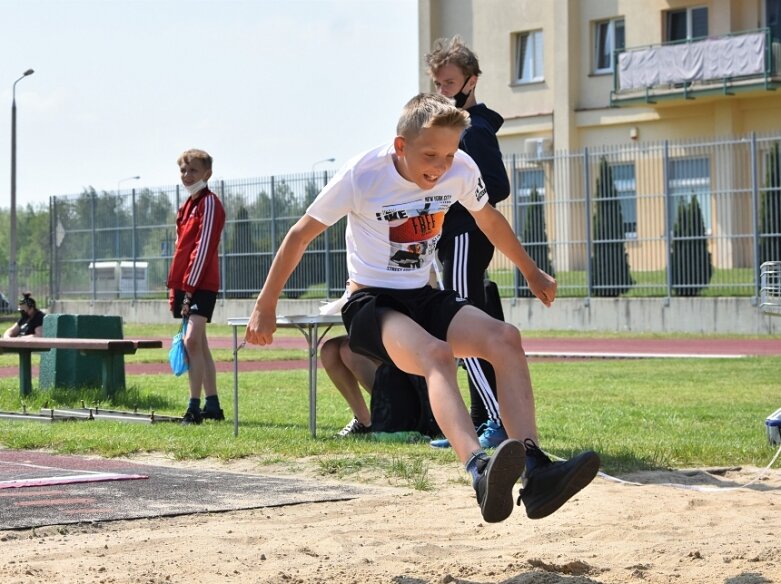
[395, 198]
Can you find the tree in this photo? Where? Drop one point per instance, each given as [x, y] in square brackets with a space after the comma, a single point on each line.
[610, 274]
[691, 261]
[770, 210]
[535, 239]
[245, 270]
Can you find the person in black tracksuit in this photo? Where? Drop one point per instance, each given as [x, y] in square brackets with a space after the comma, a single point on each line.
[464, 251]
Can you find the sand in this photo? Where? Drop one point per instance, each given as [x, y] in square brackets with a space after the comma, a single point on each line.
[609, 533]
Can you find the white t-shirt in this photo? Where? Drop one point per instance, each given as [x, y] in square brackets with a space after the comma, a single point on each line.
[392, 224]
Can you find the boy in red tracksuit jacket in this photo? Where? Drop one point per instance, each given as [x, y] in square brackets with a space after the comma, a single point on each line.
[194, 280]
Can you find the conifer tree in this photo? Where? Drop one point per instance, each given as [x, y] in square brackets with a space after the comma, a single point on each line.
[610, 274]
[535, 239]
[692, 263]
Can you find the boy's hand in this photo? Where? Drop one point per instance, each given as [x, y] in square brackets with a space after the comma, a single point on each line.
[543, 286]
[261, 327]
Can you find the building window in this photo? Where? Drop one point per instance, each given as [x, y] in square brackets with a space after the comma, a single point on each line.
[626, 187]
[608, 37]
[528, 57]
[527, 182]
[690, 177]
[687, 24]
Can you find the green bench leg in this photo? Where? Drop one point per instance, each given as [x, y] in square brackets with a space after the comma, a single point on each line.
[108, 375]
[25, 373]
[110, 370]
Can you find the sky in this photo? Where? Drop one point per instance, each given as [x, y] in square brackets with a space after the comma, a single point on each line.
[122, 87]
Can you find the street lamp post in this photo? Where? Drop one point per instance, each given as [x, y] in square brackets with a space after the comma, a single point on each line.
[12, 289]
[321, 161]
[116, 214]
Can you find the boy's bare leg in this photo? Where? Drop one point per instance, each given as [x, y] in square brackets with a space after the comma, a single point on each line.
[364, 368]
[473, 333]
[547, 485]
[195, 344]
[331, 354]
[415, 351]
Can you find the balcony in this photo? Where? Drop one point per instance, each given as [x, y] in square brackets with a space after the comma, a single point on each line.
[686, 69]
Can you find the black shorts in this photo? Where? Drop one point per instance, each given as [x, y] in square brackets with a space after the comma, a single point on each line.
[202, 303]
[431, 308]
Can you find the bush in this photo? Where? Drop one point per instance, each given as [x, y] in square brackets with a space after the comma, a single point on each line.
[609, 265]
[535, 240]
[691, 261]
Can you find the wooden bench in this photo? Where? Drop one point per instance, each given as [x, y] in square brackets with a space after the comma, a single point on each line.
[109, 348]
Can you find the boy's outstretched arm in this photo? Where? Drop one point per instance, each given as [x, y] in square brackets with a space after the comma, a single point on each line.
[501, 234]
[263, 320]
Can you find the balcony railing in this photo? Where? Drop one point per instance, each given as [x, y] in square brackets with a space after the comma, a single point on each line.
[685, 69]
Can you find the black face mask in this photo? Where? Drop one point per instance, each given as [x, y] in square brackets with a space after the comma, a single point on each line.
[22, 312]
[461, 97]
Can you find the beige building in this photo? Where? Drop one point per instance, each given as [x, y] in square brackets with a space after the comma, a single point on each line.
[574, 76]
[548, 67]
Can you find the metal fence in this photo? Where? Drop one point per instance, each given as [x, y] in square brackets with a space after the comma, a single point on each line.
[645, 219]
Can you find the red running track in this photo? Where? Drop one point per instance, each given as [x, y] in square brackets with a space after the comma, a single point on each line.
[550, 347]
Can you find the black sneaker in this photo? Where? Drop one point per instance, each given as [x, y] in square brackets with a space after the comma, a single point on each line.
[352, 428]
[551, 484]
[191, 417]
[498, 476]
[213, 415]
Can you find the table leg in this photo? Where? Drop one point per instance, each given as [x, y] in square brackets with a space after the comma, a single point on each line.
[313, 343]
[25, 373]
[313, 338]
[235, 383]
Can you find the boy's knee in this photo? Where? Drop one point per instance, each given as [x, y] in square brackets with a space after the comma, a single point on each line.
[438, 352]
[508, 338]
[192, 342]
[329, 353]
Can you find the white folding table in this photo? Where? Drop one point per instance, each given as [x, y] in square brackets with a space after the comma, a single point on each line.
[314, 328]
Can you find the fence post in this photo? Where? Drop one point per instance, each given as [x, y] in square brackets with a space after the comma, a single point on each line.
[273, 218]
[516, 224]
[223, 235]
[587, 218]
[667, 220]
[94, 261]
[133, 243]
[52, 246]
[327, 236]
[755, 216]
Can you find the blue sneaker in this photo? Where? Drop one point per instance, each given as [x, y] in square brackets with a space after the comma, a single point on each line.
[490, 435]
[493, 435]
[440, 443]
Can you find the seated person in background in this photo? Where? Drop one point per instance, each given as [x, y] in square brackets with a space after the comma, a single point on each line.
[31, 321]
[349, 372]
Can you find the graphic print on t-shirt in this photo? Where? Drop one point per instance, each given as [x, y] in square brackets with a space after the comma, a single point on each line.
[414, 229]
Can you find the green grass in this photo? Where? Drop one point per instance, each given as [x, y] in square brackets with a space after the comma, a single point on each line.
[638, 414]
[648, 283]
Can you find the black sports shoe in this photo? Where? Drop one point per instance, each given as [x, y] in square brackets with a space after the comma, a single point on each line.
[213, 415]
[352, 428]
[551, 484]
[497, 478]
[191, 417]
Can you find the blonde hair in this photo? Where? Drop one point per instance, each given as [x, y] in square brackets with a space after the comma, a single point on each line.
[452, 51]
[194, 154]
[430, 110]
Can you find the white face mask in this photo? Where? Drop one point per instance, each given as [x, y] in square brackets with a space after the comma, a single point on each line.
[195, 187]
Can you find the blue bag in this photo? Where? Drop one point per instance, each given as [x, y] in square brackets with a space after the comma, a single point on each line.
[177, 356]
